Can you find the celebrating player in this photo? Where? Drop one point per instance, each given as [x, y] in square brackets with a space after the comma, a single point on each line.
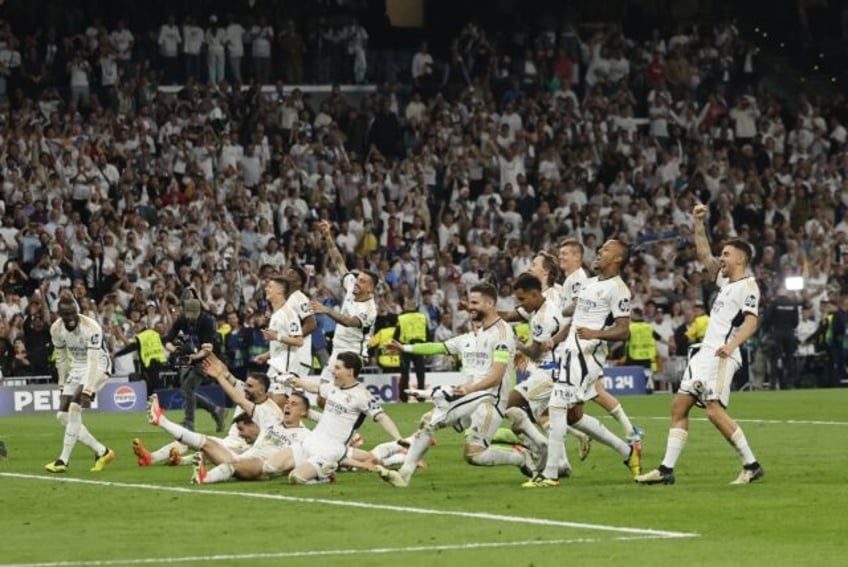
[707, 380]
[84, 367]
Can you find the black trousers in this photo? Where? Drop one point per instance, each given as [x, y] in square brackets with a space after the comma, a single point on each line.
[406, 360]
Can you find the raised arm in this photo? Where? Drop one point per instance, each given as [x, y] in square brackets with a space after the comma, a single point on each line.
[214, 367]
[332, 249]
[702, 243]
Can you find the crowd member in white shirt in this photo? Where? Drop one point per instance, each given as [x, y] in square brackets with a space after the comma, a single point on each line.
[235, 49]
[169, 48]
[79, 70]
[260, 50]
[122, 41]
[193, 37]
[216, 38]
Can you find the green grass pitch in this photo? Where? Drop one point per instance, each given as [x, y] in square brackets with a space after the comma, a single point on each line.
[453, 514]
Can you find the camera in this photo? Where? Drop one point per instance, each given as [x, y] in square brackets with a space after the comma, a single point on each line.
[182, 355]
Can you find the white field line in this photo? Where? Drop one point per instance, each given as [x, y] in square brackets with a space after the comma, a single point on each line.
[759, 421]
[327, 552]
[363, 505]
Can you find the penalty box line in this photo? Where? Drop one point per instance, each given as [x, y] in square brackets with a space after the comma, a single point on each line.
[329, 552]
[364, 505]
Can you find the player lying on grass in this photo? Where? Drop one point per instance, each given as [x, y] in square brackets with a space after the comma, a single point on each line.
[347, 404]
[251, 398]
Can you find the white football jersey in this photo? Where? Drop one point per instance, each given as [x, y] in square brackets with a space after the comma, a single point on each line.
[81, 351]
[265, 415]
[463, 346]
[285, 323]
[572, 285]
[299, 303]
[733, 302]
[276, 437]
[344, 411]
[598, 304]
[497, 341]
[355, 339]
[544, 324]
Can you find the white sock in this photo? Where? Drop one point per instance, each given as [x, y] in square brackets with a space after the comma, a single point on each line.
[674, 446]
[740, 443]
[522, 425]
[420, 444]
[492, 457]
[220, 473]
[596, 430]
[558, 429]
[618, 413]
[162, 454]
[315, 415]
[89, 441]
[180, 433]
[385, 450]
[577, 434]
[71, 432]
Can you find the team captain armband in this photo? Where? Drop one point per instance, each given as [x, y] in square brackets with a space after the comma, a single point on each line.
[501, 354]
[426, 349]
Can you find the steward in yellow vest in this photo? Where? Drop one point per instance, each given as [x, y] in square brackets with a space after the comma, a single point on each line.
[411, 329]
[151, 355]
[642, 345]
[386, 360]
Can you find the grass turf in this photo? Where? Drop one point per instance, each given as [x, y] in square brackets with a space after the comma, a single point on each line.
[794, 515]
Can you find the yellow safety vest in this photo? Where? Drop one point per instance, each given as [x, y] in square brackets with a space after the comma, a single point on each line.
[413, 327]
[642, 345]
[150, 347]
[381, 338]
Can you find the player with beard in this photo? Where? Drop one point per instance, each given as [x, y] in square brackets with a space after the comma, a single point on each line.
[709, 374]
[251, 397]
[479, 403]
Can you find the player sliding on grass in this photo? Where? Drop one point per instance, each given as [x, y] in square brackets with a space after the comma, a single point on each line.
[487, 358]
[707, 380]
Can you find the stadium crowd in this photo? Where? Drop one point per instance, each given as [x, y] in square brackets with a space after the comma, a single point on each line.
[459, 173]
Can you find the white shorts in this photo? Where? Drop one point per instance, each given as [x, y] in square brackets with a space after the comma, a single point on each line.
[76, 379]
[577, 377]
[324, 456]
[476, 411]
[536, 389]
[708, 377]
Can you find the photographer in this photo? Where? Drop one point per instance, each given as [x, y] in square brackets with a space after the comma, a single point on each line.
[199, 331]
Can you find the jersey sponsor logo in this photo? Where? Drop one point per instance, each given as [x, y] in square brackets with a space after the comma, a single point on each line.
[124, 397]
